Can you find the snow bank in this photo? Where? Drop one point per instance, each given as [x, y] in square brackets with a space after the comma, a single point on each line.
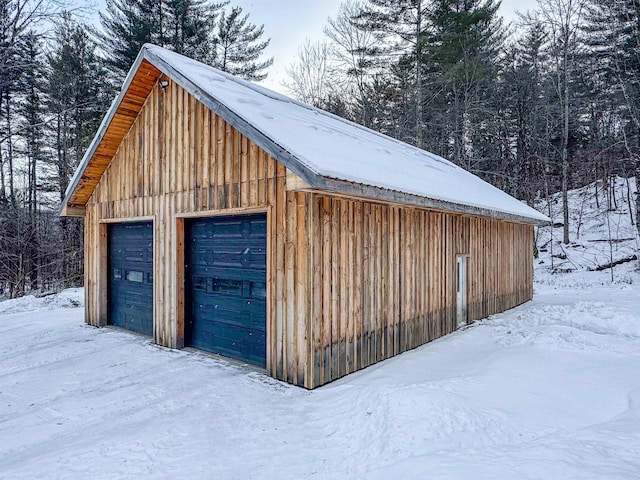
[594, 227]
[577, 326]
[69, 298]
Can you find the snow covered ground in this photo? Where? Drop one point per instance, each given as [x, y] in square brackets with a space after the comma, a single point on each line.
[548, 390]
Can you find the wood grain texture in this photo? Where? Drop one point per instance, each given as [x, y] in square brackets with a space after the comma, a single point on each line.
[127, 113]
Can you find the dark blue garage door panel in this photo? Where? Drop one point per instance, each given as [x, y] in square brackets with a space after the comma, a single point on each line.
[226, 286]
[131, 276]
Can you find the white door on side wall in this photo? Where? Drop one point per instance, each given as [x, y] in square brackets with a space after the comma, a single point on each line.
[461, 291]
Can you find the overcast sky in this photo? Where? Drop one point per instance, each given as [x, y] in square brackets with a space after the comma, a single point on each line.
[289, 22]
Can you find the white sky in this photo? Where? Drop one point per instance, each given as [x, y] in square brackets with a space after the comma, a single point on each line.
[289, 22]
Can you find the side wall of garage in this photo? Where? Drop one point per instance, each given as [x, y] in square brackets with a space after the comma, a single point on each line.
[179, 160]
[384, 278]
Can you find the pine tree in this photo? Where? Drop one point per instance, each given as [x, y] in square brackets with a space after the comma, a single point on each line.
[76, 96]
[18, 241]
[23, 25]
[561, 19]
[463, 43]
[400, 28]
[126, 26]
[10, 72]
[77, 100]
[613, 30]
[239, 46]
[352, 51]
[188, 27]
[183, 26]
[522, 87]
[33, 133]
[32, 112]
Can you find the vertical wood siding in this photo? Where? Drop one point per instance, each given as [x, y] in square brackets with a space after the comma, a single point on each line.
[350, 282]
[384, 278]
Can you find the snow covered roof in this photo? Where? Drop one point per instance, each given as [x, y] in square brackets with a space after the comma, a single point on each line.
[326, 151]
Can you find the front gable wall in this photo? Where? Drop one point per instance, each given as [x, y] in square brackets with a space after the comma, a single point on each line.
[179, 159]
[177, 146]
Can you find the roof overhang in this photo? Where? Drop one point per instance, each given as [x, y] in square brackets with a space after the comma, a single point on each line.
[352, 189]
[115, 125]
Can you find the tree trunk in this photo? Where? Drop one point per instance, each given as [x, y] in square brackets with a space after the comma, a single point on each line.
[3, 192]
[12, 195]
[565, 203]
[565, 146]
[638, 199]
[457, 128]
[419, 139]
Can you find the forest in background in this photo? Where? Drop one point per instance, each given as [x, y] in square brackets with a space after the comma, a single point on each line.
[546, 104]
[58, 76]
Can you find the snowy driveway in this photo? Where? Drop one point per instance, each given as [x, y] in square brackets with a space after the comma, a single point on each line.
[548, 390]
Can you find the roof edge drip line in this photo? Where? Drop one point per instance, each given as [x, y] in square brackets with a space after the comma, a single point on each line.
[372, 192]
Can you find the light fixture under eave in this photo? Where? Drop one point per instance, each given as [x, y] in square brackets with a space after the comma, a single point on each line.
[164, 84]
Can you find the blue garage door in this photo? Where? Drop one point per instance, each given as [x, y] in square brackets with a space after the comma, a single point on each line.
[226, 286]
[130, 294]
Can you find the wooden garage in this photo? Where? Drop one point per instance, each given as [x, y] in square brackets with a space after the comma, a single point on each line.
[227, 217]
